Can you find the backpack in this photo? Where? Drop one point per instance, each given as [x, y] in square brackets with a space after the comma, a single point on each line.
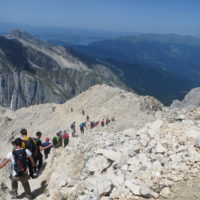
[21, 162]
[82, 125]
[31, 145]
[72, 126]
[65, 136]
[56, 141]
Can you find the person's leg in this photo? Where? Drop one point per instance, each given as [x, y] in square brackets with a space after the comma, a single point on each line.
[26, 186]
[46, 155]
[65, 142]
[30, 168]
[14, 185]
[40, 160]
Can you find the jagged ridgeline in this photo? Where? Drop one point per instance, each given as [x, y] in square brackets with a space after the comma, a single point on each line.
[34, 72]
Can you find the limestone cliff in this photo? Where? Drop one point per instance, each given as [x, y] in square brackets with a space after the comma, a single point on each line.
[34, 72]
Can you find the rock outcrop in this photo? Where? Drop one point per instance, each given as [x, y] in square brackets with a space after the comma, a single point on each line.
[191, 99]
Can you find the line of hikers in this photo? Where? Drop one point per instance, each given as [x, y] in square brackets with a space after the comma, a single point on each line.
[89, 124]
[26, 156]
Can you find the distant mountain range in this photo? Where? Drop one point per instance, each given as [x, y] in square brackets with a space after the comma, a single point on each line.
[34, 72]
[63, 36]
[164, 66]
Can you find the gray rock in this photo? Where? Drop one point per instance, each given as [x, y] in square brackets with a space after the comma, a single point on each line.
[104, 187]
[145, 191]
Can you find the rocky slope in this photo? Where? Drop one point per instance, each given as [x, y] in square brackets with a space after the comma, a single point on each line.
[34, 72]
[191, 99]
[145, 153]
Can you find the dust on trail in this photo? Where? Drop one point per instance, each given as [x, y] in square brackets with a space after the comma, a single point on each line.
[185, 190]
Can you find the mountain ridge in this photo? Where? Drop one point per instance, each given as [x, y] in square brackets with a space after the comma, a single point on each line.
[38, 72]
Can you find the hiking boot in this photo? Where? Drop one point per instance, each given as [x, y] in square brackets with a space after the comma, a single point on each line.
[29, 197]
[14, 194]
[33, 176]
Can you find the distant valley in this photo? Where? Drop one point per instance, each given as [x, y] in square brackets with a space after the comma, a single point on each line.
[164, 66]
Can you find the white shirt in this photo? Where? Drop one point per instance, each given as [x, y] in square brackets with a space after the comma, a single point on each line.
[11, 158]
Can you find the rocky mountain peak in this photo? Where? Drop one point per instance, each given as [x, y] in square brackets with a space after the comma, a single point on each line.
[24, 36]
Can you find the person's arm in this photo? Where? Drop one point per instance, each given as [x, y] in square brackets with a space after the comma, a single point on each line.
[4, 163]
[43, 148]
[32, 161]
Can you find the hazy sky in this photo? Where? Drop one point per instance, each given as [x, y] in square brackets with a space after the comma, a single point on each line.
[163, 16]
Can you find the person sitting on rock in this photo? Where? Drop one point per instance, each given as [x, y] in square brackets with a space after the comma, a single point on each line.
[19, 159]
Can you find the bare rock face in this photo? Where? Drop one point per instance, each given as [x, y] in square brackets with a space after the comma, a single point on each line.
[35, 72]
[191, 99]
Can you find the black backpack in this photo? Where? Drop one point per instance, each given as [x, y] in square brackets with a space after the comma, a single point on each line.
[31, 145]
[55, 141]
[21, 161]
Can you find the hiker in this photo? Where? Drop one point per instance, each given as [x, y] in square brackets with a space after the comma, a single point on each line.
[61, 138]
[30, 144]
[57, 140]
[113, 119]
[73, 128]
[40, 147]
[96, 123]
[45, 144]
[87, 118]
[102, 123]
[65, 138]
[71, 109]
[39, 156]
[82, 126]
[19, 159]
[83, 112]
[107, 121]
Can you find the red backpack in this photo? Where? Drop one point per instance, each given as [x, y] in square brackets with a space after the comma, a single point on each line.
[65, 136]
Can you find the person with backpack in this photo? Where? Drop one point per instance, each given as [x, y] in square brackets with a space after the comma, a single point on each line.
[65, 138]
[57, 140]
[73, 128]
[30, 144]
[39, 157]
[19, 158]
[45, 144]
[82, 126]
[61, 138]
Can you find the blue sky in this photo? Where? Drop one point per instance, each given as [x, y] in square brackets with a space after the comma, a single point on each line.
[158, 16]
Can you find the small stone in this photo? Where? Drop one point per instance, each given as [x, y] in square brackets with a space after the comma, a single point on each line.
[104, 187]
[160, 149]
[165, 192]
[135, 189]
